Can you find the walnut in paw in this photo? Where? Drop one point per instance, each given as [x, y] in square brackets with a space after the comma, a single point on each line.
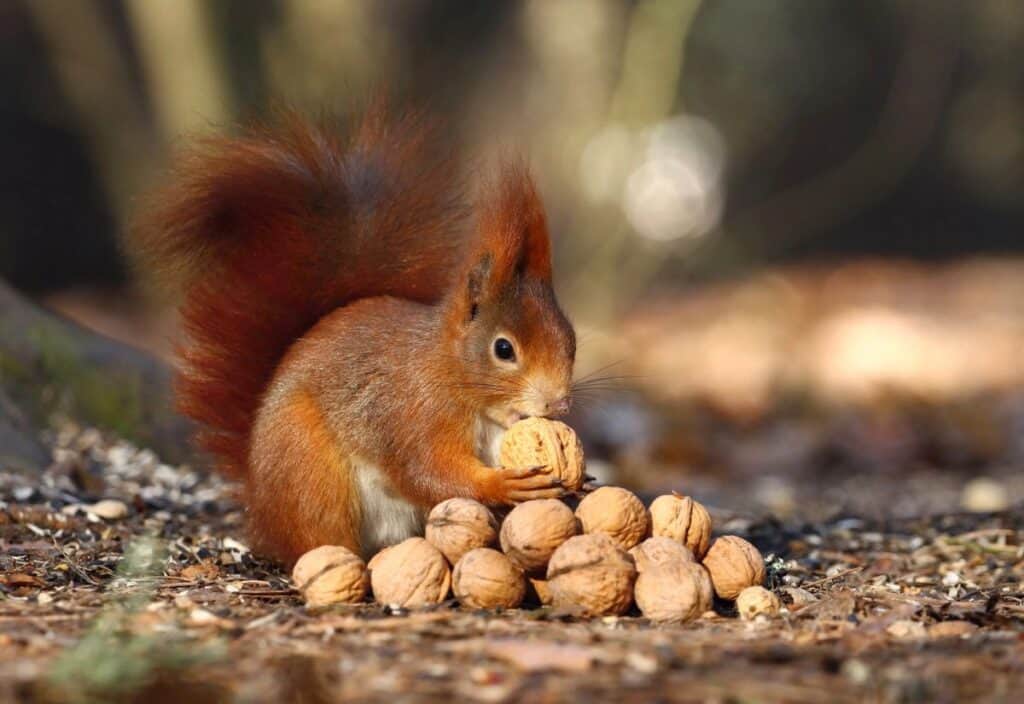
[541, 442]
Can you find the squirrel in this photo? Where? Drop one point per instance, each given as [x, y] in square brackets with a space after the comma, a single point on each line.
[357, 336]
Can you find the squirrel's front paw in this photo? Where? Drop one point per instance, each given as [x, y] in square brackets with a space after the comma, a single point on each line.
[518, 485]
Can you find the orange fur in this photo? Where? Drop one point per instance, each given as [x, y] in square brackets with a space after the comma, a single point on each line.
[270, 230]
[299, 471]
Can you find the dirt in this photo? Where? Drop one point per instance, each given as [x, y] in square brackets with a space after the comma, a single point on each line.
[167, 604]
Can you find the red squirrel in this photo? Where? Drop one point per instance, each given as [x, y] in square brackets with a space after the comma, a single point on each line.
[357, 337]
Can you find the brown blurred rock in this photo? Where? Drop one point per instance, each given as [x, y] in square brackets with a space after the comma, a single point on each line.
[48, 365]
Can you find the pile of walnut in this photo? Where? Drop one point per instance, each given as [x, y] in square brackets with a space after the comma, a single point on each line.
[598, 560]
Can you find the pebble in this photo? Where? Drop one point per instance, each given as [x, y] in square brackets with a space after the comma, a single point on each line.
[110, 509]
[857, 671]
[642, 663]
[951, 629]
[906, 629]
[23, 493]
[984, 495]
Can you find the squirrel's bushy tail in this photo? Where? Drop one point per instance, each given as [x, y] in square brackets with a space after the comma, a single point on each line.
[270, 230]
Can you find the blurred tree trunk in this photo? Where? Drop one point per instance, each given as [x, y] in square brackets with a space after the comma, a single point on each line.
[50, 365]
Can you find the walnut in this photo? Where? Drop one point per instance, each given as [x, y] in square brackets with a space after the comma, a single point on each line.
[457, 526]
[734, 565]
[331, 574]
[540, 591]
[410, 574]
[658, 551]
[486, 579]
[683, 519]
[591, 573]
[533, 530]
[535, 442]
[616, 512]
[754, 601]
[674, 591]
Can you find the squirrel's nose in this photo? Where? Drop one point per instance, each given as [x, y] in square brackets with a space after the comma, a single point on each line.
[559, 407]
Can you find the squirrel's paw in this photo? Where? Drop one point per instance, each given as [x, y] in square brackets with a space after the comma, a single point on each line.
[529, 483]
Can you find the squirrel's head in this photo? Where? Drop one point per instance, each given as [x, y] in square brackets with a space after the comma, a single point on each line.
[514, 348]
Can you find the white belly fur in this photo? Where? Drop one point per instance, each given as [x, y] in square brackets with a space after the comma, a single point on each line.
[488, 441]
[387, 518]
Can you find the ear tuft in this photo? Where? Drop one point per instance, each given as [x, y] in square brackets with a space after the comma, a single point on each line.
[476, 284]
[512, 244]
[514, 228]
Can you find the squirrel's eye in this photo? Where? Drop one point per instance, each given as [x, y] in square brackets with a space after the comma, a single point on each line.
[504, 350]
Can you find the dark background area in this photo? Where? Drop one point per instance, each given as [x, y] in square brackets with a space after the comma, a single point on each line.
[791, 230]
[800, 90]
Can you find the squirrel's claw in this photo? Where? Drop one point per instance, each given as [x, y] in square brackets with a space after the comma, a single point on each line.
[530, 483]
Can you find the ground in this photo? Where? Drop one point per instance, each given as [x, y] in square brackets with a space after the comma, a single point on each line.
[166, 602]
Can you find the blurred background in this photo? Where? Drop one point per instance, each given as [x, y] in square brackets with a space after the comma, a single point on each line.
[789, 232]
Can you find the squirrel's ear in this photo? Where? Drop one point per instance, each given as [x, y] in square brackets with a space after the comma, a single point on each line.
[514, 229]
[464, 300]
[512, 244]
[476, 284]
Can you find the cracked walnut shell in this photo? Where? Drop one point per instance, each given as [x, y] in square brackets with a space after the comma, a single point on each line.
[457, 526]
[616, 512]
[591, 573]
[541, 442]
[533, 530]
[330, 574]
[486, 579]
[410, 574]
[734, 565]
[755, 601]
[683, 519]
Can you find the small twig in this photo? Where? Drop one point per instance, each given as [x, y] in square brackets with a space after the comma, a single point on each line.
[826, 580]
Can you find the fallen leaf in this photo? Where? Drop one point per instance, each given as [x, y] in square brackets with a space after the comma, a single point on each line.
[20, 579]
[204, 571]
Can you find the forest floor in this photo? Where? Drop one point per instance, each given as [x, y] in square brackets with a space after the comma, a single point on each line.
[166, 603]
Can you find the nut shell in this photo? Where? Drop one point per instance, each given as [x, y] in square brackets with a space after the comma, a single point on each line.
[755, 601]
[539, 591]
[486, 579]
[616, 512]
[533, 530]
[674, 591]
[683, 519]
[410, 574]
[537, 442]
[457, 526]
[734, 565]
[591, 573]
[331, 574]
[659, 550]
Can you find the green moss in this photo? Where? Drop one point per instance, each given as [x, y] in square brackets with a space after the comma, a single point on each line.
[12, 371]
[64, 382]
[114, 661]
